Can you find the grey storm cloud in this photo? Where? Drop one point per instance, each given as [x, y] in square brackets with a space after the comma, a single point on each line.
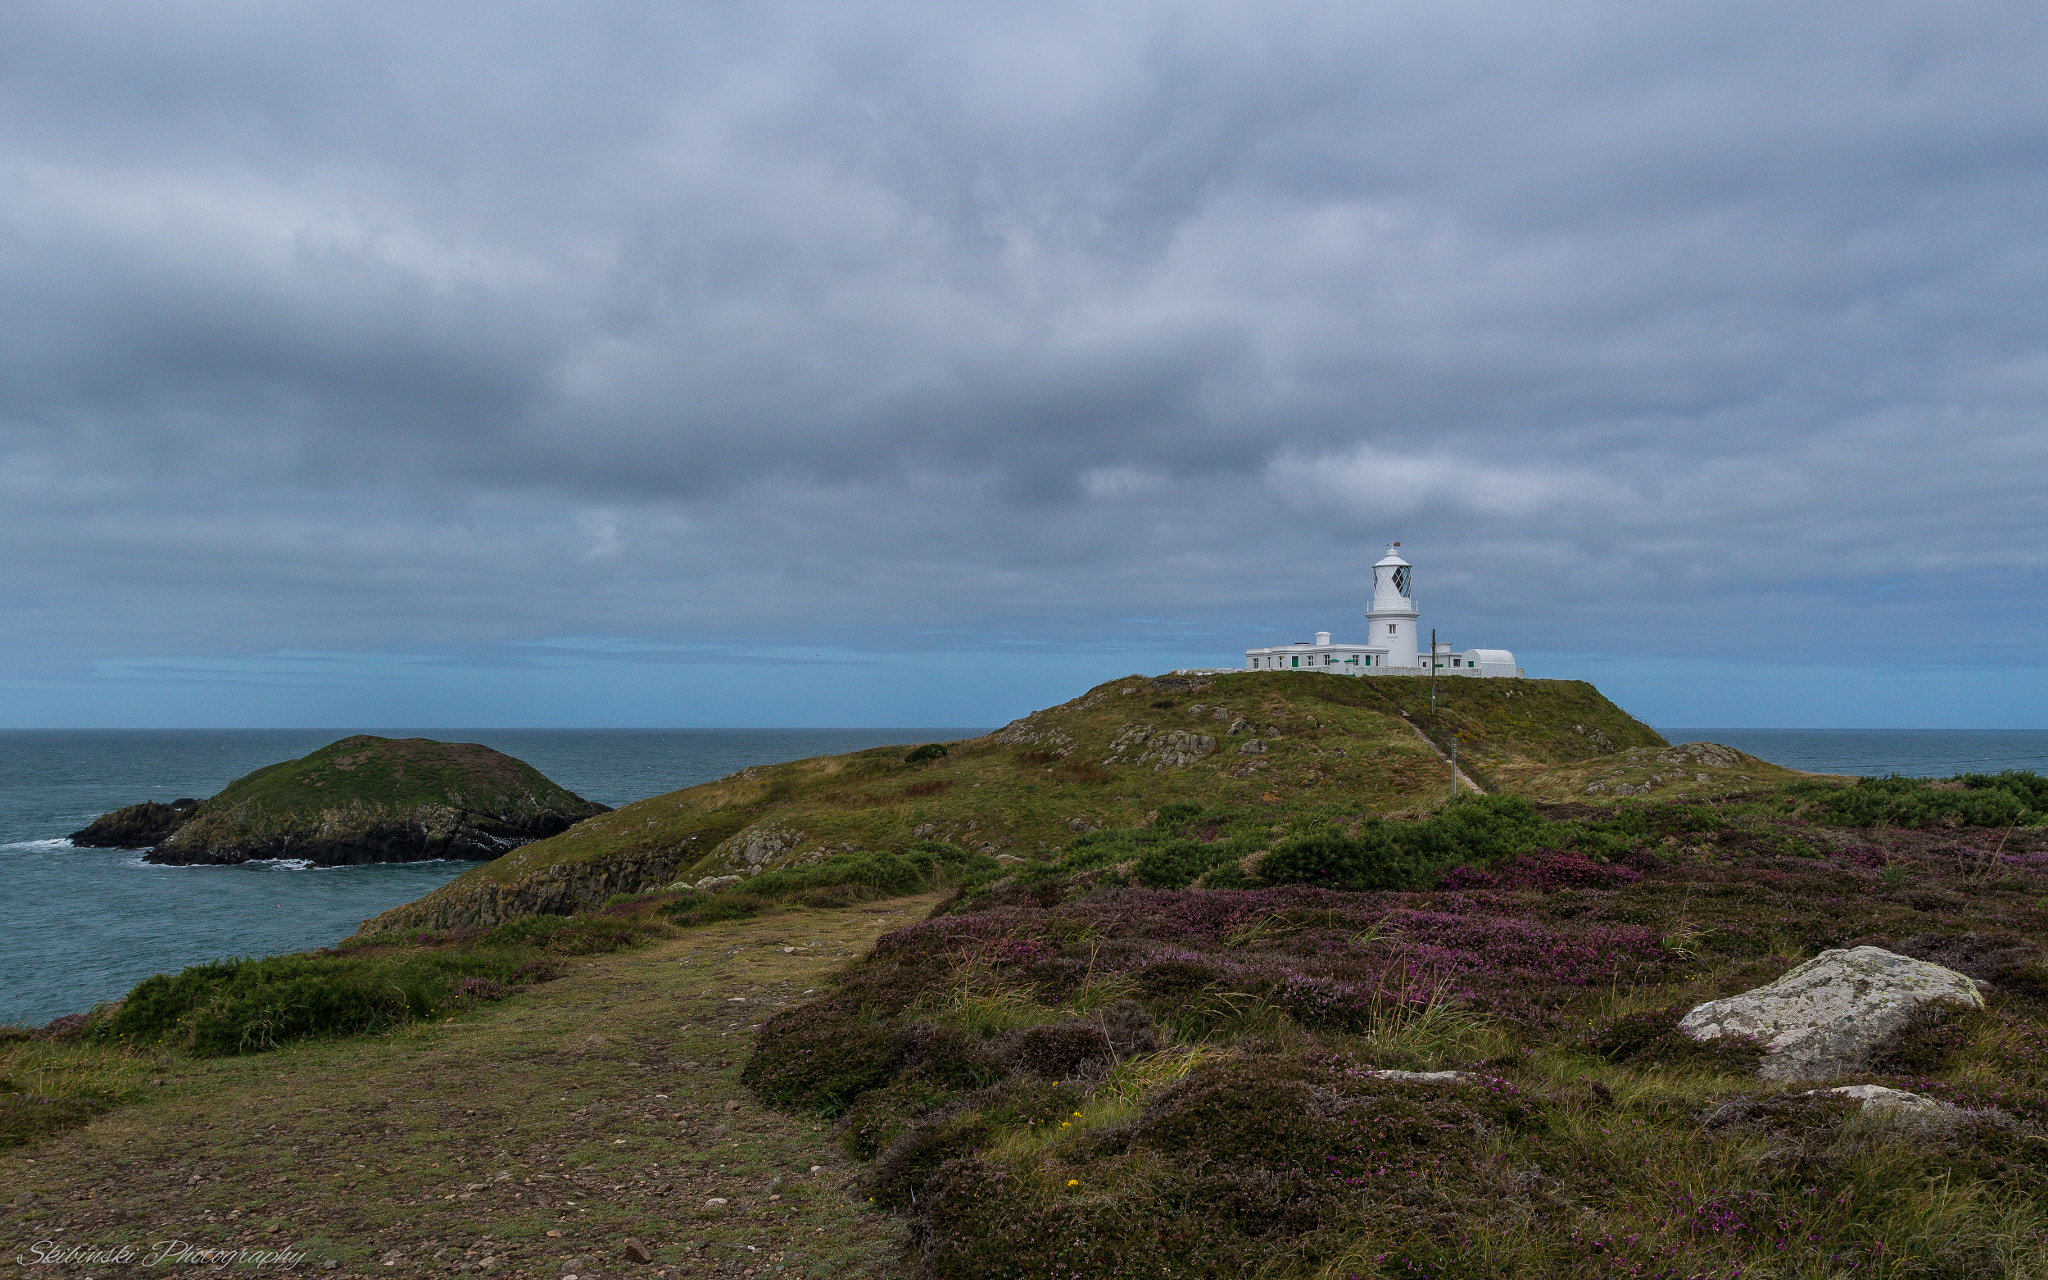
[383, 325]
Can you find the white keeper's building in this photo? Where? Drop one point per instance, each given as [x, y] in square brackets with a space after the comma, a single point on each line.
[1391, 646]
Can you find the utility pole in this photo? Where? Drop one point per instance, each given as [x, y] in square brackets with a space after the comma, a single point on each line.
[1432, 677]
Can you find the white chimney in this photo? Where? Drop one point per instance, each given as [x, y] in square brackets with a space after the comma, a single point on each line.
[1322, 637]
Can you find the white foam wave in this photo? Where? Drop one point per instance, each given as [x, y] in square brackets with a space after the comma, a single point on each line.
[61, 842]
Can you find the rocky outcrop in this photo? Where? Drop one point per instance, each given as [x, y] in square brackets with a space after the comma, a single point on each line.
[357, 834]
[1829, 1016]
[138, 826]
[363, 799]
[1176, 749]
[754, 847]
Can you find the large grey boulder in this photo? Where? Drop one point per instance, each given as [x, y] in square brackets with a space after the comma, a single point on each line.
[1827, 1017]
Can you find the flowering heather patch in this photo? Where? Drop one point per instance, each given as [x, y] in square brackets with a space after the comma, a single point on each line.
[1544, 869]
[1579, 1133]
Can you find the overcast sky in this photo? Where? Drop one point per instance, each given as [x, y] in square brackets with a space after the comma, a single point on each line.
[891, 363]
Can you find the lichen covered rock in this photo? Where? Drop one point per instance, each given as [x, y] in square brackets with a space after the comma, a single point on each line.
[1830, 1015]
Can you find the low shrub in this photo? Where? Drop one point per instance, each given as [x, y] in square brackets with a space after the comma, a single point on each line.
[842, 878]
[1178, 863]
[880, 1116]
[1185, 844]
[2012, 798]
[714, 908]
[1059, 1051]
[29, 1117]
[586, 935]
[819, 1057]
[1930, 1042]
[249, 1006]
[929, 751]
[1340, 862]
[1652, 1038]
[1546, 869]
[902, 1168]
[947, 1057]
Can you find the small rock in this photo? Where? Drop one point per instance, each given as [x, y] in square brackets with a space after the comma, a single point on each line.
[1252, 748]
[636, 1252]
[1078, 824]
[1877, 1098]
[716, 1202]
[554, 1235]
[1828, 1016]
[1420, 1077]
[712, 884]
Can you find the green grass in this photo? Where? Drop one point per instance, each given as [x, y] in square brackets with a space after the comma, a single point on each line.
[533, 1131]
[397, 773]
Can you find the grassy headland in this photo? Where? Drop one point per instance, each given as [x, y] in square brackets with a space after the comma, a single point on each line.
[1156, 1023]
[1287, 743]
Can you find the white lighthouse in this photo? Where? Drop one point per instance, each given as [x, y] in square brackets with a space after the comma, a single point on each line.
[1391, 648]
[1393, 613]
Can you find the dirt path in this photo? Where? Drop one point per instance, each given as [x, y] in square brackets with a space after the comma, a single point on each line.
[526, 1140]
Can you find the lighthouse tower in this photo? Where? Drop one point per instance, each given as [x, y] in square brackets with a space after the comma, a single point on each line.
[1393, 611]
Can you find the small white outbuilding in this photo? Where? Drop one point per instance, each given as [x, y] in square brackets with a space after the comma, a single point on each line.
[1391, 646]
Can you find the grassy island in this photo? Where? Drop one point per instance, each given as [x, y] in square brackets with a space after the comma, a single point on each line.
[362, 799]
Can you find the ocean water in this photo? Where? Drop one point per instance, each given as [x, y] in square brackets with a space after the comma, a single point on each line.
[1917, 753]
[78, 926]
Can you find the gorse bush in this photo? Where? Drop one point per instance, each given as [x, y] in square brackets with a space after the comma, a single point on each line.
[839, 880]
[1184, 843]
[586, 935]
[2013, 798]
[248, 1006]
[1374, 861]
